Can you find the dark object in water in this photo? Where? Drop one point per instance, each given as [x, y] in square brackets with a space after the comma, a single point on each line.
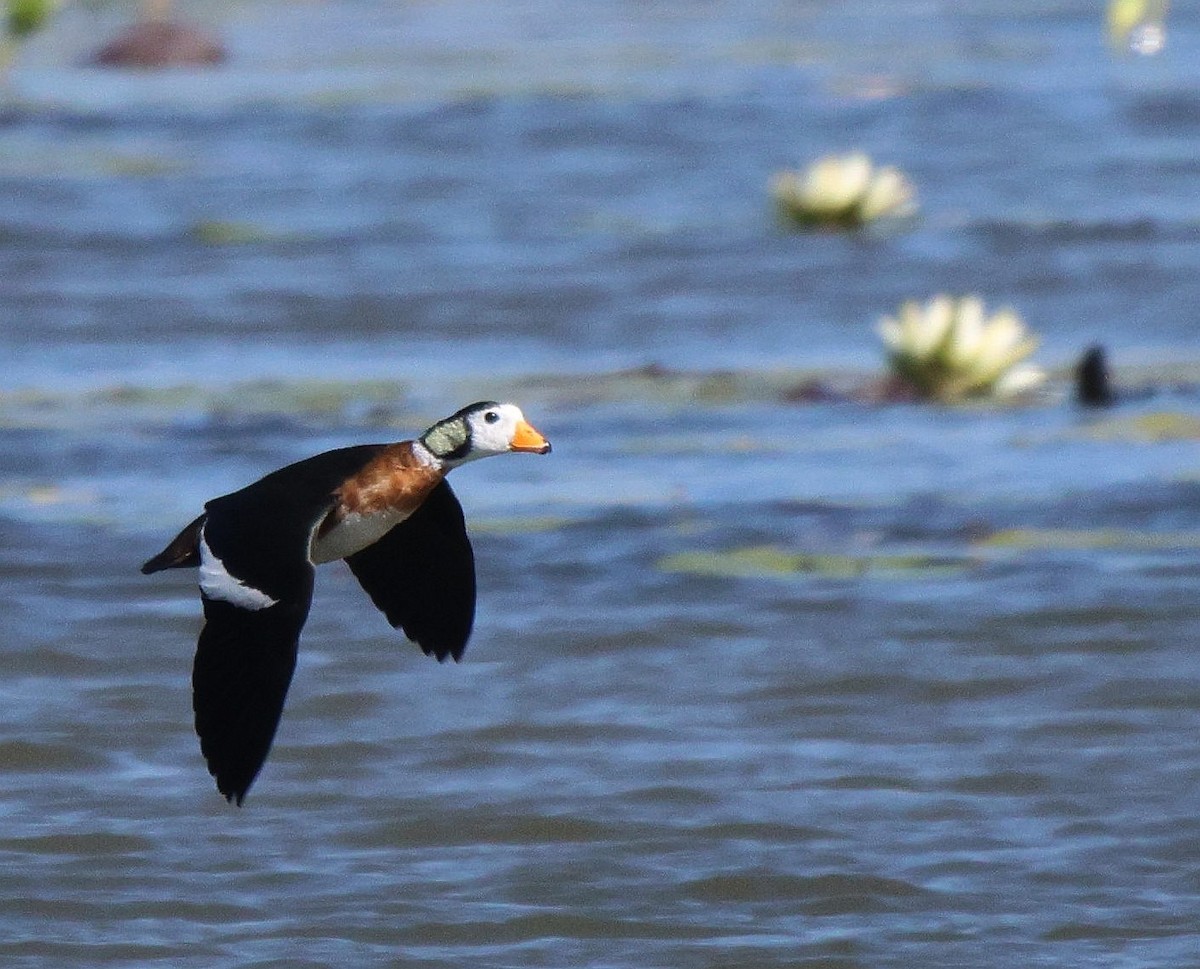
[161, 43]
[1092, 387]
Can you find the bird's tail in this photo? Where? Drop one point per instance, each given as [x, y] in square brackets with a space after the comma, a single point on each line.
[182, 553]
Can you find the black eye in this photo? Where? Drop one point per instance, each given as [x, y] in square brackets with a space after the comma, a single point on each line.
[491, 417]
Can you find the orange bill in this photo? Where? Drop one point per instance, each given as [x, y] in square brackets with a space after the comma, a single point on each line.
[526, 438]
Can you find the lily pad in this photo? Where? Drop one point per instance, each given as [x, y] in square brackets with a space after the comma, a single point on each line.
[765, 561]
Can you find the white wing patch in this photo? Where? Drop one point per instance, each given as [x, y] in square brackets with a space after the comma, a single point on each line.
[217, 583]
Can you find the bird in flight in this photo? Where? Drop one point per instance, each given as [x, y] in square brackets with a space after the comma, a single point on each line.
[385, 509]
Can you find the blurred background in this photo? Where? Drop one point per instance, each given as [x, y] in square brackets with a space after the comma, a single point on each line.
[773, 666]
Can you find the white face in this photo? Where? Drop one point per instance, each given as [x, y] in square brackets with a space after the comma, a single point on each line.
[493, 429]
[479, 430]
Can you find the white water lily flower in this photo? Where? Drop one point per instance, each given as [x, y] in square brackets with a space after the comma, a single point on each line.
[967, 333]
[1137, 26]
[842, 192]
[835, 184]
[920, 330]
[889, 194]
[948, 349]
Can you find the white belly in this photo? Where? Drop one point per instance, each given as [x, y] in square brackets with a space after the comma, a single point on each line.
[352, 534]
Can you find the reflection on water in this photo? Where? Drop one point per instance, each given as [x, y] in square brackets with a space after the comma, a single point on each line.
[761, 676]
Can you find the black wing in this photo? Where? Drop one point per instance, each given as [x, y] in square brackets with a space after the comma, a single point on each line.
[256, 584]
[421, 575]
[244, 664]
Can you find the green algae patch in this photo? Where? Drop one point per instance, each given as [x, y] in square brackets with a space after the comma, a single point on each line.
[768, 561]
[1068, 539]
[218, 232]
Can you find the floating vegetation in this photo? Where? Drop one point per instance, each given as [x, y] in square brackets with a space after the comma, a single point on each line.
[217, 232]
[1074, 539]
[769, 561]
[360, 401]
[842, 192]
[26, 17]
[1154, 428]
[30, 154]
[22, 19]
[948, 350]
[306, 397]
[667, 386]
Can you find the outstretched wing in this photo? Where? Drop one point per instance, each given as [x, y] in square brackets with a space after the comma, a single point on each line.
[256, 582]
[244, 664]
[421, 575]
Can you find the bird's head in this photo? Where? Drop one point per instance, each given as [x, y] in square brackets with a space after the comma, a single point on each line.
[482, 429]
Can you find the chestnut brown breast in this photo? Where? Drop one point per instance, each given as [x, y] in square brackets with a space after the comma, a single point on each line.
[370, 503]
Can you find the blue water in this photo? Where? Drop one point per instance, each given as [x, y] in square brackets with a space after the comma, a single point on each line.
[755, 681]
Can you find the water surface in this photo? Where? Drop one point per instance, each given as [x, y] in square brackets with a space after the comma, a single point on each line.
[755, 682]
